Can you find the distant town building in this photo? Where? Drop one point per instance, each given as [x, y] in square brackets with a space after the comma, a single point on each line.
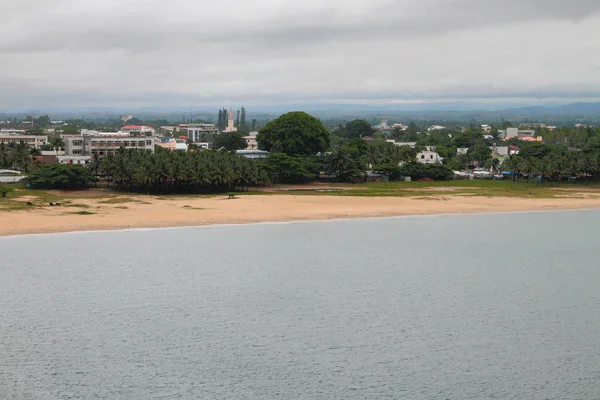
[383, 125]
[486, 128]
[251, 143]
[436, 128]
[399, 126]
[30, 140]
[195, 131]
[126, 117]
[409, 144]
[515, 132]
[138, 130]
[174, 145]
[429, 156]
[253, 154]
[532, 125]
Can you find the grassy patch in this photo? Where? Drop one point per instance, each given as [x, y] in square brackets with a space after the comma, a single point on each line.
[83, 213]
[76, 205]
[118, 200]
[122, 207]
[448, 188]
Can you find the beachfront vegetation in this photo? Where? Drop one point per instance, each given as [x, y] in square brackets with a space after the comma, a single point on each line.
[554, 162]
[177, 172]
[58, 176]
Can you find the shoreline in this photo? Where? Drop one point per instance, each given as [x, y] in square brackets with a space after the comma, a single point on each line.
[143, 212]
[295, 221]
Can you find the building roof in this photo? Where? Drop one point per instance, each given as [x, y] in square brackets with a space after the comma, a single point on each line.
[9, 171]
[137, 126]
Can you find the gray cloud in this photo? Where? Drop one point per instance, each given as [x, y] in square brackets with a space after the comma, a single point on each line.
[148, 52]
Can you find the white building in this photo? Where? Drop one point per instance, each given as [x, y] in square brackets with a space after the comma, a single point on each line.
[126, 117]
[429, 156]
[251, 143]
[30, 140]
[486, 128]
[409, 144]
[195, 131]
[436, 128]
[81, 148]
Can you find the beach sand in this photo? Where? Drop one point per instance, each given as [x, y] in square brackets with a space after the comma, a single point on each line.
[150, 211]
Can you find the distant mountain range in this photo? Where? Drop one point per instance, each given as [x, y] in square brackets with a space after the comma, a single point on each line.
[582, 112]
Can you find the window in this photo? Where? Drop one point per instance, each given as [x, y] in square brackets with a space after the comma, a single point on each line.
[148, 142]
[431, 157]
[422, 156]
[77, 151]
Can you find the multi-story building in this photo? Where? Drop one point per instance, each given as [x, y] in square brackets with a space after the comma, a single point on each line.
[30, 140]
[81, 147]
[195, 131]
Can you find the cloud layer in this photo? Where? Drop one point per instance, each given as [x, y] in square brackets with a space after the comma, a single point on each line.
[133, 53]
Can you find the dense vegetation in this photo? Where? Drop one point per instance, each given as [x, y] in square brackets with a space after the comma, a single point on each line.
[177, 172]
[58, 176]
[17, 156]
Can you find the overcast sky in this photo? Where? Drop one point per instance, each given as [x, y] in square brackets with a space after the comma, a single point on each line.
[196, 53]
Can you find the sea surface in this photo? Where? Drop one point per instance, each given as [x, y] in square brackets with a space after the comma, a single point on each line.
[502, 306]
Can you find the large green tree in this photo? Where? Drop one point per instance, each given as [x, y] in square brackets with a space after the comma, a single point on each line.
[356, 129]
[230, 141]
[294, 133]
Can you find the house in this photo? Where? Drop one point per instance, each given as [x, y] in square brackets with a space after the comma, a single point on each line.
[429, 156]
[486, 128]
[251, 143]
[516, 132]
[376, 177]
[409, 144]
[499, 151]
[174, 145]
[462, 151]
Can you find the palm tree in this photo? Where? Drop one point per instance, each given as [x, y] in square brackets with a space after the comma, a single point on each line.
[57, 143]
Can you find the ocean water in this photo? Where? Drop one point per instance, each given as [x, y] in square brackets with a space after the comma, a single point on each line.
[503, 306]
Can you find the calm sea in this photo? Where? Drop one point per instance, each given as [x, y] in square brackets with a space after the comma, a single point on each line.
[503, 306]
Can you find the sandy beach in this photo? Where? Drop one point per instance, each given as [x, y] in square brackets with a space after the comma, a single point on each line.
[149, 211]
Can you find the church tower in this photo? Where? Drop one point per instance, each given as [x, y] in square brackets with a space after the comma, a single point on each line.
[230, 126]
